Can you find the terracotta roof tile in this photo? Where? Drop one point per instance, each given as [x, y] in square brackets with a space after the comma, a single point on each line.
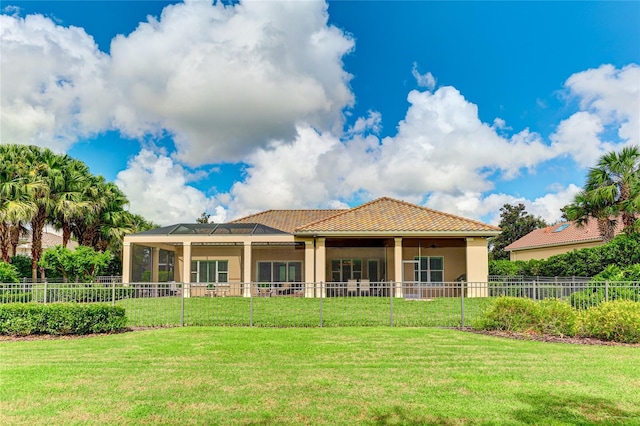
[287, 220]
[559, 235]
[389, 215]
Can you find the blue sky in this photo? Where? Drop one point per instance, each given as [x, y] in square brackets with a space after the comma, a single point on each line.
[458, 106]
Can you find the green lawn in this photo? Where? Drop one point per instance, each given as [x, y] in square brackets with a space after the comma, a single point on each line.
[349, 375]
[300, 312]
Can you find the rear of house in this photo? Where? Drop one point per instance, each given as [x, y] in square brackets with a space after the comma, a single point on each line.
[350, 251]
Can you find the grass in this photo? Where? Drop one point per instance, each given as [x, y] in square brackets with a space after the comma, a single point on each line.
[326, 376]
[300, 312]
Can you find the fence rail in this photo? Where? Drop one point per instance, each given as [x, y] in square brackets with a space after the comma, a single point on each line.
[453, 304]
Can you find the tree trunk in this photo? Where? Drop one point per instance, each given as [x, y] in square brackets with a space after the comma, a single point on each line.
[606, 228]
[66, 234]
[4, 241]
[37, 226]
[14, 233]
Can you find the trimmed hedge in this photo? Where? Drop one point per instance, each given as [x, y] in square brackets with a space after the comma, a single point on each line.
[22, 319]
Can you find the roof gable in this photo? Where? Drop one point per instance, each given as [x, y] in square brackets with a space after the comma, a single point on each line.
[390, 215]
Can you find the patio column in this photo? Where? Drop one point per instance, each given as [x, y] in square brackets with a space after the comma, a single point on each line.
[309, 269]
[477, 267]
[186, 268]
[397, 266]
[321, 263]
[155, 264]
[126, 262]
[246, 269]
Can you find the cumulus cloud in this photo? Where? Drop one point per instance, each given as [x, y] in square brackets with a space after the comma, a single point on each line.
[223, 80]
[609, 99]
[53, 88]
[476, 205]
[157, 188]
[441, 147]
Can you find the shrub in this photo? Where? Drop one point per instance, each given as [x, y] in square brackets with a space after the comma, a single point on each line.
[618, 320]
[8, 273]
[557, 318]
[21, 319]
[510, 314]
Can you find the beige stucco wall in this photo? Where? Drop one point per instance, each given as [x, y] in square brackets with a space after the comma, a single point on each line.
[546, 252]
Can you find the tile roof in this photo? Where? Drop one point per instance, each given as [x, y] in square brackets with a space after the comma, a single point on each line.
[389, 215]
[560, 234]
[48, 240]
[287, 220]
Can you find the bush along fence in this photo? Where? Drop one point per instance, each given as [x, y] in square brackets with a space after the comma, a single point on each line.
[354, 303]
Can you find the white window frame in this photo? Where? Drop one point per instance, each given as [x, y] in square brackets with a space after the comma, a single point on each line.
[355, 274]
[417, 271]
[288, 264]
[219, 275]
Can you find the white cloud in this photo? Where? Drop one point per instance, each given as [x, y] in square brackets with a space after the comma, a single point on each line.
[424, 80]
[441, 147]
[225, 80]
[53, 89]
[221, 80]
[609, 99]
[157, 189]
[475, 205]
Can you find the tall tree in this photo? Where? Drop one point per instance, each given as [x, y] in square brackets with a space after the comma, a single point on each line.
[515, 223]
[612, 191]
[204, 218]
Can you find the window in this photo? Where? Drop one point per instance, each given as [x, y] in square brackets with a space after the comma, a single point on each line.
[210, 271]
[429, 269]
[346, 269]
[279, 272]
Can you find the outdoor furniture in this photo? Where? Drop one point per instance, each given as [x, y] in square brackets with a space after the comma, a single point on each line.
[365, 287]
[352, 287]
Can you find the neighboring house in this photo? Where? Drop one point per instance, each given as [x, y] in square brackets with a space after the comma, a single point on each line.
[48, 240]
[557, 239]
[385, 240]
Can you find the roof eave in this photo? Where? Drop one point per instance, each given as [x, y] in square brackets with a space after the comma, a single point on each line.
[311, 233]
[564, 243]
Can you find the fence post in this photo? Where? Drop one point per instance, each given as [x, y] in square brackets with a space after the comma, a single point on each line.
[606, 291]
[45, 292]
[182, 306]
[250, 305]
[535, 290]
[462, 285]
[321, 297]
[391, 291]
[113, 293]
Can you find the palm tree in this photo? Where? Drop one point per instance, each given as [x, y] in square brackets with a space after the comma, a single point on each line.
[16, 197]
[612, 190]
[72, 202]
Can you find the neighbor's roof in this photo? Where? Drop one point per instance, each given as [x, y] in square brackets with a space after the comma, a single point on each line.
[48, 240]
[287, 220]
[566, 233]
[389, 215]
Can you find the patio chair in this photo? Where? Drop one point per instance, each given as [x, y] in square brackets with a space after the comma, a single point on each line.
[352, 287]
[365, 287]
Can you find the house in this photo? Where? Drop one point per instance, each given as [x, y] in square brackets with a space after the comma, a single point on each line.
[385, 240]
[49, 240]
[556, 239]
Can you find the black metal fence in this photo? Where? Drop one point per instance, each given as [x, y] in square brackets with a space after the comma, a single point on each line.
[454, 304]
